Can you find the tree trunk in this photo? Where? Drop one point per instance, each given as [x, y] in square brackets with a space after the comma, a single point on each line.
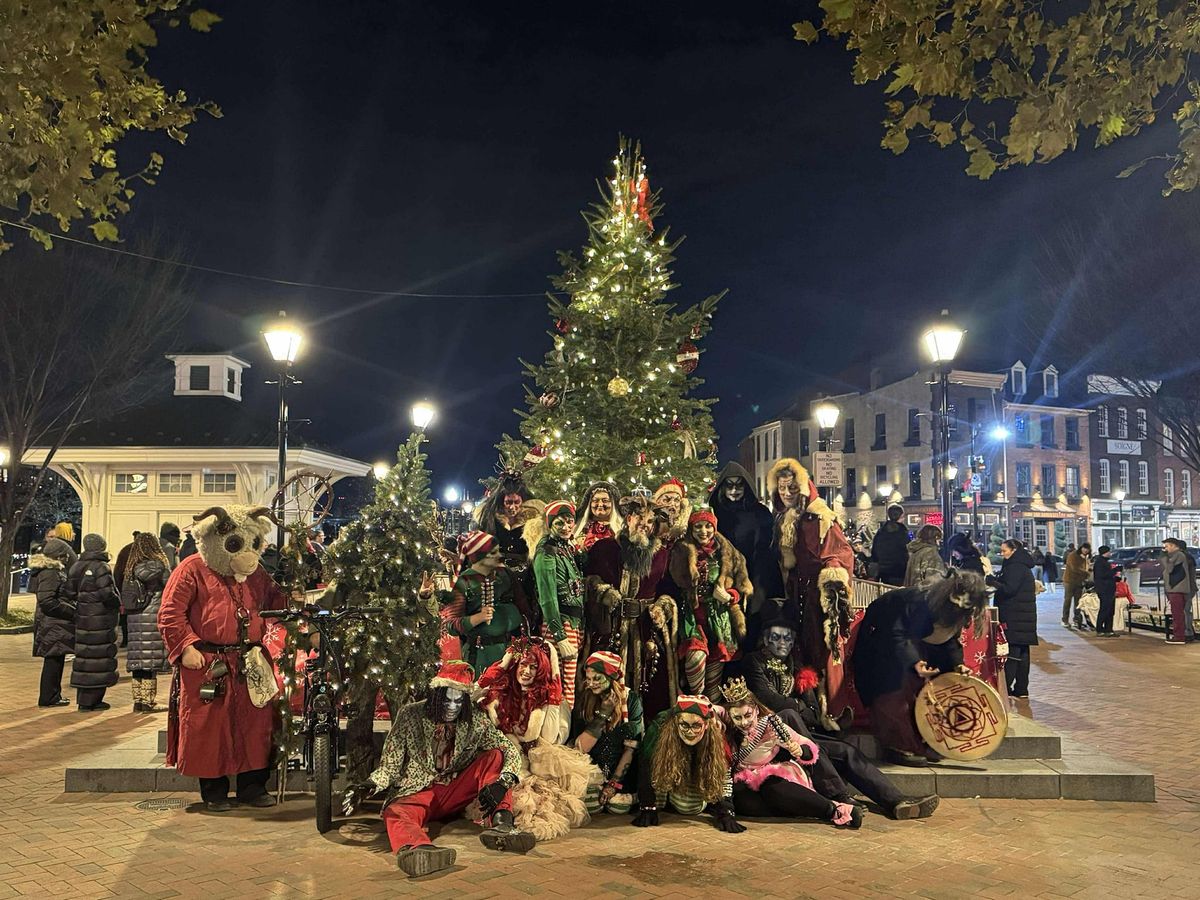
[361, 757]
[8, 539]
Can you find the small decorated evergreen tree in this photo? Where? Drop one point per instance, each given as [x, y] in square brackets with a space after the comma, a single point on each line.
[995, 539]
[612, 400]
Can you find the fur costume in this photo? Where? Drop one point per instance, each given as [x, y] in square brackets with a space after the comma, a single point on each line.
[679, 523]
[685, 571]
[231, 539]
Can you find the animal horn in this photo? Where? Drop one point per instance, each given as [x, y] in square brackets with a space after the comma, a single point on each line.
[218, 511]
[263, 512]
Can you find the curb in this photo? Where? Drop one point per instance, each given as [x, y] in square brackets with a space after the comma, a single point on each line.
[17, 629]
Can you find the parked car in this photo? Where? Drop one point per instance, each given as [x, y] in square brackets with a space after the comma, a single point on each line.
[1147, 561]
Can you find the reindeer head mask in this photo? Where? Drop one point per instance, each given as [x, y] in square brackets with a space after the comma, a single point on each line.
[231, 539]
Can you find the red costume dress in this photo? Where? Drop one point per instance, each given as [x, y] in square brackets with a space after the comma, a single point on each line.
[229, 735]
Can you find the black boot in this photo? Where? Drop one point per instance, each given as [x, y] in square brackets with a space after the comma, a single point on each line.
[424, 860]
[915, 807]
[505, 836]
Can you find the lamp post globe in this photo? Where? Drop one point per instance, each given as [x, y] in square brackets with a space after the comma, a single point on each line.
[283, 340]
[422, 414]
[827, 415]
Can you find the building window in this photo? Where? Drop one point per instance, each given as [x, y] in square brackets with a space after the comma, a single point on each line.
[1105, 477]
[1168, 441]
[1168, 491]
[1102, 421]
[914, 481]
[851, 486]
[219, 483]
[127, 483]
[1143, 477]
[198, 378]
[1024, 480]
[231, 379]
[848, 436]
[1018, 380]
[1185, 488]
[1142, 429]
[804, 448]
[1122, 422]
[881, 476]
[880, 432]
[1072, 485]
[914, 429]
[1021, 427]
[1048, 432]
[1050, 377]
[1049, 482]
[1123, 475]
[175, 483]
[1071, 427]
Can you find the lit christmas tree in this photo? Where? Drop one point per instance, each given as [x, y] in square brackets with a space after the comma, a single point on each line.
[613, 400]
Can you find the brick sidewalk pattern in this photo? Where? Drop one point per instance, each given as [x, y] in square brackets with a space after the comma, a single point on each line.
[1131, 696]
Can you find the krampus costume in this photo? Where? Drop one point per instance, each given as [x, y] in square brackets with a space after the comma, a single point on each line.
[209, 620]
[560, 590]
[440, 755]
[522, 695]
[816, 561]
[598, 517]
[769, 760]
[786, 688]
[749, 526]
[671, 496]
[905, 637]
[684, 763]
[713, 588]
[628, 609]
[608, 726]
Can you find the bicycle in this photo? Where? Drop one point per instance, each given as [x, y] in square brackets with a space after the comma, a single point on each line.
[323, 707]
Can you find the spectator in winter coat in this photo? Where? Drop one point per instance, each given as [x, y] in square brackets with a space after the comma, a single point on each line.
[889, 550]
[1050, 568]
[1104, 576]
[1076, 571]
[119, 579]
[964, 554]
[168, 538]
[146, 654]
[1180, 583]
[924, 560]
[91, 588]
[54, 618]
[1016, 601]
[188, 547]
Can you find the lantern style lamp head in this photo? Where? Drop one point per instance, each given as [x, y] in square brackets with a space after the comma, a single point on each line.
[451, 494]
[942, 339]
[1001, 433]
[951, 471]
[1118, 495]
[884, 491]
[3, 455]
[283, 340]
[422, 415]
[468, 506]
[827, 414]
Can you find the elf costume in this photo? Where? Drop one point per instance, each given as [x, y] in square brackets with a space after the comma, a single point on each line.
[560, 591]
[483, 585]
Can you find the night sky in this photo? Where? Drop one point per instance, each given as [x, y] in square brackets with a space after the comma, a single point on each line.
[449, 147]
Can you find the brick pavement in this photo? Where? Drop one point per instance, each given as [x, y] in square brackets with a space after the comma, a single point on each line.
[1132, 695]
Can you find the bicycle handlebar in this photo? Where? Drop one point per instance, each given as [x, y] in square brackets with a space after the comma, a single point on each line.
[315, 612]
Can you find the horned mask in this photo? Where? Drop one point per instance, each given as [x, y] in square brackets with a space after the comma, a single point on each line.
[231, 539]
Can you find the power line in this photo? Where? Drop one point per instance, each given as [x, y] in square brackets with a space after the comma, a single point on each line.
[269, 280]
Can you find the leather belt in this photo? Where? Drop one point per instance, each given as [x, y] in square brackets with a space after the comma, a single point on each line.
[209, 647]
[574, 611]
[632, 608]
[485, 640]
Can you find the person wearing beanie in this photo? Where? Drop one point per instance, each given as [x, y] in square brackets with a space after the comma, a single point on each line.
[671, 496]
[556, 571]
[607, 725]
[142, 585]
[441, 754]
[53, 617]
[92, 589]
[168, 539]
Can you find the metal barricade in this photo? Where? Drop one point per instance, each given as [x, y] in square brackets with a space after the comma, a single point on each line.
[865, 592]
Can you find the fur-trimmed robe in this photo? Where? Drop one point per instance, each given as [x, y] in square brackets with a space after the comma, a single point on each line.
[814, 555]
[735, 578]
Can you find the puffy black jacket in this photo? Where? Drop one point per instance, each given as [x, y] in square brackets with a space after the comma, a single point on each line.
[97, 608]
[141, 596]
[890, 551]
[1104, 576]
[54, 617]
[1016, 598]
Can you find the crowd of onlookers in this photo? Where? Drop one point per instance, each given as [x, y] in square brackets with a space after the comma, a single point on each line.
[85, 602]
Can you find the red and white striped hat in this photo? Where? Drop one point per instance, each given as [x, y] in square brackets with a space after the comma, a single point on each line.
[694, 703]
[454, 673]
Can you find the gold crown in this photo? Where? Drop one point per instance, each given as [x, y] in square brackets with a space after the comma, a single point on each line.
[735, 691]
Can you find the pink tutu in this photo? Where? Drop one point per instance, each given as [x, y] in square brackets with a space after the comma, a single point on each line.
[790, 770]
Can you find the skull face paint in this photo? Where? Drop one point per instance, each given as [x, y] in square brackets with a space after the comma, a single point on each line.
[734, 489]
[691, 728]
[779, 640]
[743, 717]
[453, 706]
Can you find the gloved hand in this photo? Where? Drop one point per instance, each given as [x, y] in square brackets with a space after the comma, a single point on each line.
[610, 598]
[726, 821]
[492, 796]
[647, 818]
[566, 650]
[355, 794]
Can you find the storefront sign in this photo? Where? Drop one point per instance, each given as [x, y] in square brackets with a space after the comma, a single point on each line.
[1125, 448]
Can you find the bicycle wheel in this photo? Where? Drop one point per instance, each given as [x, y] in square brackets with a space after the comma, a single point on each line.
[323, 774]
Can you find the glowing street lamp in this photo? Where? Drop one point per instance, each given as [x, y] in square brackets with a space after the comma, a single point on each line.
[827, 415]
[422, 414]
[283, 341]
[380, 470]
[451, 494]
[942, 340]
[1119, 496]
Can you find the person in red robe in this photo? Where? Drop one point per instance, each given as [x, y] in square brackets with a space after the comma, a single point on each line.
[816, 561]
[210, 617]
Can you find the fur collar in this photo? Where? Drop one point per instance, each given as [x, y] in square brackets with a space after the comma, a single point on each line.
[816, 507]
[686, 572]
[42, 561]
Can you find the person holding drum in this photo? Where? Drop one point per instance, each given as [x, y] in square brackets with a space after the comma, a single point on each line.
[906, 637]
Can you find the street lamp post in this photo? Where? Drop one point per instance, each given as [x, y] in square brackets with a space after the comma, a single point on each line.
[283, 342]
[1001, 433]
[827, 417]
[942, 340]
[1119, 496]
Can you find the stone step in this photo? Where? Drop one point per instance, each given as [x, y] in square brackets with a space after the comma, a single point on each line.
[132, 770]
[1026, 739]
[1082, 773]
[382, 726]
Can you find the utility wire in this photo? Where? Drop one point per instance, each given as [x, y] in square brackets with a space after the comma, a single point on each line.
[267, 279]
